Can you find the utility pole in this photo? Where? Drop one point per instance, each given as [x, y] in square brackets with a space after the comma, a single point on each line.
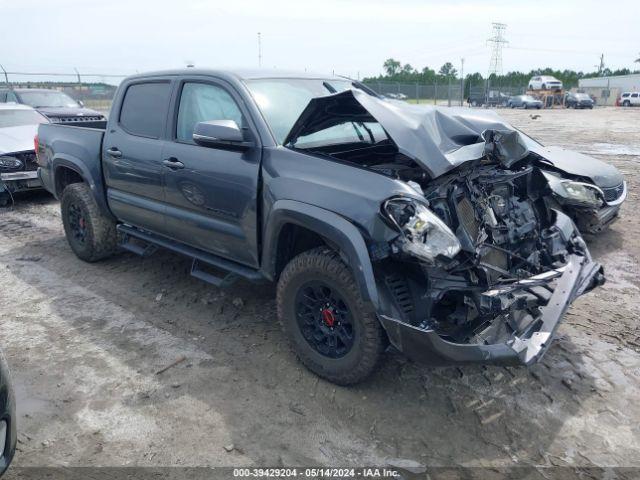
[259, 50]
[601, 66]
[461, 81]
[497, 42]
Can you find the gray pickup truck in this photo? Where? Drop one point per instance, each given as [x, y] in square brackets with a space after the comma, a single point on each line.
[382, 223]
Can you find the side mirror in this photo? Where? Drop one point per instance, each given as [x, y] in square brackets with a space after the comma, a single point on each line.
[220, 134]
[81, 103]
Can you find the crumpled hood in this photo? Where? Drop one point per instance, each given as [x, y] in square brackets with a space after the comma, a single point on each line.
[17, 139]
[575, 163]
[53, 112]
[438, 139]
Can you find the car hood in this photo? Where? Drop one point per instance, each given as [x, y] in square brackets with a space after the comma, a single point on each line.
[578, 164]
[437, 140]
[17, 139]
[52, 112]
[440, 139]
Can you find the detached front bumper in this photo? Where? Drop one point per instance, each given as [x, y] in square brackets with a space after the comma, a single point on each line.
[579, 275]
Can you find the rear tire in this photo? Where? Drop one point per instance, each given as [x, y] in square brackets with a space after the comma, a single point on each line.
[312, 283]
[91, 235]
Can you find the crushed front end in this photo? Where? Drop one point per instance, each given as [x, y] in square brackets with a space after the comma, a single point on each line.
[494, 283]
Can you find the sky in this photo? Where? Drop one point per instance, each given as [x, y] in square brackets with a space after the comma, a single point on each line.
[348, 37]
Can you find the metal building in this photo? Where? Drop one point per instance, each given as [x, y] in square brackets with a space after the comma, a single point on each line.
[607, 89]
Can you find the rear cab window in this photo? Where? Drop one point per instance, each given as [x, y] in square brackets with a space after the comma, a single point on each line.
[144, 108]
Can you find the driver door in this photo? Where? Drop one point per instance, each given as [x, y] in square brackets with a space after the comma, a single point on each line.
[211, 193]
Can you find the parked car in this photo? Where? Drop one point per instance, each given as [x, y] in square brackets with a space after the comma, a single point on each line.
[578, 100]
[491, 98]
[630, 99]
[545, 82]
[18, 166]
[379, 221]
[524, 101]
[57, 106]
[589, 190]
[8, 429]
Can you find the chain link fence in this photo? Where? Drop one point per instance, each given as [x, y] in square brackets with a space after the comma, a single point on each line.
[449, 93]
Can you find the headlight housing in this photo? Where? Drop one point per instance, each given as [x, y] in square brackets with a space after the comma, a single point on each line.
[424, 235]
[580, 192]
[10, 163]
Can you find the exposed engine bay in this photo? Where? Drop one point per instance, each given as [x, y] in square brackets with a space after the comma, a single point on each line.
[484, 264]
[510, 252]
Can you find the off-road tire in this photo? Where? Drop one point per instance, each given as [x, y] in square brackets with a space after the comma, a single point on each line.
[323, 264]
[101, 235]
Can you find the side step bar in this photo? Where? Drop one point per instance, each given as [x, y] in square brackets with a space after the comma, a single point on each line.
[230, 270]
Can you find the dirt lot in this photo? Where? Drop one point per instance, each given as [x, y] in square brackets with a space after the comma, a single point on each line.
[85, 342]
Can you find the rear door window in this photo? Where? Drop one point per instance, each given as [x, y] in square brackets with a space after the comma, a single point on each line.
[144, 109]
[634, 95]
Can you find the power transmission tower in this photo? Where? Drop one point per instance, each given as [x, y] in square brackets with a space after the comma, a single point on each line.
[497, 42]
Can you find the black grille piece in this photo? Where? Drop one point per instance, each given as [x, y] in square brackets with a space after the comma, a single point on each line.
[467, 217]
[29, 160]
[613, 193]
[78, 119]
[401, 293]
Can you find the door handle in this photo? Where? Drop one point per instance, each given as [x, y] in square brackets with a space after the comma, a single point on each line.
[173, 163]
[114, 152]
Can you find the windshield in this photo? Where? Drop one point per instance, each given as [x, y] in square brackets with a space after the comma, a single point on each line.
[17, 118]
[282, 100]
[48, 99]
[582, 96]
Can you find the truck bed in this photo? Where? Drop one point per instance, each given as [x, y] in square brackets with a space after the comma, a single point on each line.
[66, 145]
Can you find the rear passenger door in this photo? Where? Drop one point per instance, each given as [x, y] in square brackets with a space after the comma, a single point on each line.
[132, 154]
[211, 198]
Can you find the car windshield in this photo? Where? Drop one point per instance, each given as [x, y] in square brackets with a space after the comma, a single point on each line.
[282, 100]
[582, 96]
[18, 118]
[48, 99]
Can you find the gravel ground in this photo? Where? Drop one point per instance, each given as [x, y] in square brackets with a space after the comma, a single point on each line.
[86, 342]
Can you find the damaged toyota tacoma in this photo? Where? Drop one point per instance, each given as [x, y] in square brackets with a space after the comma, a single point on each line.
[382, 223]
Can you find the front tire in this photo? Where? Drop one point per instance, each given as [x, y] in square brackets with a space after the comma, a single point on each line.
[91, 235]
[328, 324]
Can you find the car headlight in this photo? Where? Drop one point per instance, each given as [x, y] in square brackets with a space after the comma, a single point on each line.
[10, 163]
[581, 192]
[425, 236]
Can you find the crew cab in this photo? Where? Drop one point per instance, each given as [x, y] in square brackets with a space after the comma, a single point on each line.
[381, 222]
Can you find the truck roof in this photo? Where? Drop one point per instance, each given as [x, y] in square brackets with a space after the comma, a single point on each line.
[239, 74]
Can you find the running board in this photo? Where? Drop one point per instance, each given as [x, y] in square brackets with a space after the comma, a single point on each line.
[230, 271]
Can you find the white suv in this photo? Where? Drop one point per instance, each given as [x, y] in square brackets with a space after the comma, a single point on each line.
[545, 82]
[627, 99]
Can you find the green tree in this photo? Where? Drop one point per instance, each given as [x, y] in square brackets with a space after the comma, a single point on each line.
[391, 66]
[448, 71]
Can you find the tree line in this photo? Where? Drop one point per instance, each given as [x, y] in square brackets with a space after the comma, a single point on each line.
[397, 72]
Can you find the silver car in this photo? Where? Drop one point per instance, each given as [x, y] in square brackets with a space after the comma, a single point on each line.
[18, 166]
[524, 101]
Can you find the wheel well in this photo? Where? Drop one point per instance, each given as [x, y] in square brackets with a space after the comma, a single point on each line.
[293, 240]
[66, 176]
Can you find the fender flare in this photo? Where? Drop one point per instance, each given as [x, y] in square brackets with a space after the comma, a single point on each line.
[332, 227]
[78, 166]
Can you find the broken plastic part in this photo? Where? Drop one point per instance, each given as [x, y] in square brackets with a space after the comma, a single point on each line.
[424, 235]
